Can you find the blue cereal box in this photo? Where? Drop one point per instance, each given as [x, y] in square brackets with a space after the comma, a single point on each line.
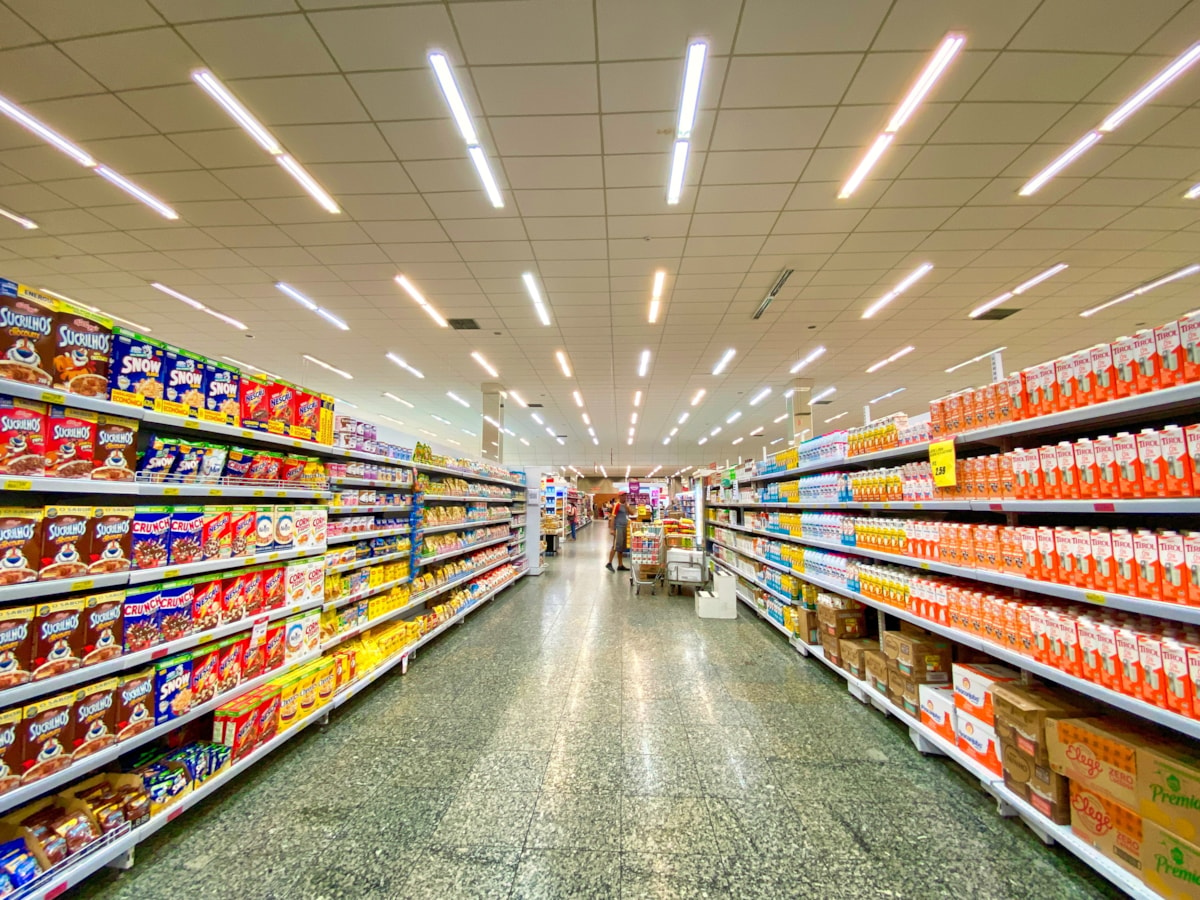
[172, 688]
[135, 375]
[183, 383]
[140, 613]
[222, 385]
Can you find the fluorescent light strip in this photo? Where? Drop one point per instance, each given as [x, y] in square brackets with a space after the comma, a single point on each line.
[838, 416]
[689, 102]
[412, 291]
[760, 396]
[136, 192]
[468, 431]
[491, 422]
[484, 364]
[587, 420]
[828, 392]
[888, 394]
[1192, 193]
[666, 441]
[715, 431]
[562, 363]
[1034, 184]
[1138, 291]
[1019, 289]
[724, 361]
[47, 134]
[736, 441]
[778, 419]
[392, 396]
[309, 305]
[660, 278]
[757, 431]
[519, 399]
[537, 418]
[699, 395]
[737, 414]
[457, 399]
[197, 305]
[578, 397]
[596, 441]
[674, 431]
[402, 364]
[678, 166]
[325, 365]
[523, 441]
[974, 359]
[683, 418]
[309, 184]
[550, 431]
[633, 418]
[440, 419]
[776, 441]
[240, 114]
[454, 99]
[387, 418]
[486, 176]
[538, 304]
[912, 278]
[644, 364]
[27, 224]
[895, 356]
[816, 354]
[864, 167]
[1144, 94]
[591, 431]
[637, 398]
[702, 441]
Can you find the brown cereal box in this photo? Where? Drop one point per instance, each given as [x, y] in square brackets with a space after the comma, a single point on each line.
[64, 542]
[135, 703]
[22, 436]
[10, 750]
[20, 545]
[110, 539]
[16, 645]
[58, 637]
[103, 631]
[26, 340]
[96, 718]
[48, 729]
[82, 351]
[115, 455]
[70, 442]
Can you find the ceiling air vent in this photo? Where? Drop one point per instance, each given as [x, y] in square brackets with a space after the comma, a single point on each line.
[1000, 312]
[536, 405]
[463, 324]
[820, 403]
[775, 289]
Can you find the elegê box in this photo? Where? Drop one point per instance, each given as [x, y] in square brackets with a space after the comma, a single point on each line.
[1097, 754]
[1107, 825]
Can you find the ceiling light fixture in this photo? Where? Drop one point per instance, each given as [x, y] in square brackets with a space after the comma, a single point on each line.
[484, 364]
[778, 419]
[520, 401]
[942, 57]
[1138, 291]
[27, 224]
[539, 305]
[817, 398]
[587, 419]
[1192, 193]
[225, 99]
[136, 192]
[509, 432]
[309, 305]
[492, 422]
[458, 109]
[703, 440]
[578, 398]
[596, 441]
[675, 431]
[666, 441]
[656, 295]
[775, 289]
[412, 291]
[776, 441]
[644, 364]
[1019, 289]
[197, 305]
[1034, 184]
[974, 359]
[428, 432]
[737, 414]
[814, 355]
[637, 398]
[387, 418]
[699, 395]
[440, 419]
[715, 431]
[457, 399]
[683, 418]
[454, 442]
[688, 104]
[392, 396]
[345, 403]
[561, 442]
[550, 431]
[895, 356]
[562, 363]
[324, 365]
[523, 441]
[912, 278]
[838, 416]
[760, 396]
[633, 418]
[757, 431]
[888, 394]
[537, 418]
[468, 431]
[724, 361]
[402, 364]
[591, 431]
[736, 441]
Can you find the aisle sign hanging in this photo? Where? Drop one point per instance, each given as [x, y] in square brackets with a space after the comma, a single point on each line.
[942, 462]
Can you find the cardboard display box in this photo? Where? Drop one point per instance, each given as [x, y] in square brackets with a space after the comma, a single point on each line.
[1170, 865]
[832, 650]
[877, 671]
[925, 659]
[854, 652]
[1110, 827]
[977, 739]
[840, 623]
[937, 710]
[973, 688]
[1036, 783]
[804, 624]
[1022, 712]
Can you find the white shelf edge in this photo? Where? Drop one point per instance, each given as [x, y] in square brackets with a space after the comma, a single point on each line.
[358, 510]
[368, 561]
[364, 535]
[167, 573]
[450, 554]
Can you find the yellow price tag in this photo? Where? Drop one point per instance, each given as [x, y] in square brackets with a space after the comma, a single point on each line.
[171, 573]
[191, 423]
[260, 493]
[51, 397]
[18, 484]
[1094, 597]
[171, 491]
[942, 462]
[215, 492]
[86, 584]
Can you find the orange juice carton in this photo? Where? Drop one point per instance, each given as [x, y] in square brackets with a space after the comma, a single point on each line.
[1088, 472]
[1130, 658]
[1104, 374]
[1145, 352]
[1110, 827]
[1124, 565]
[977, 739]
[1124, 354]
[1097, 754]
[1068, 471]
[1047, 558]
[1064, 559]
[1030, 564]
[1172, 561]
[1020, 474]
[1169, 351]
[1189, 339]
[1081, 553]
[1150, 458]
[1176, 469]
[1179, 689]
[1089, 649]
[1065, 383]
[1106, 467]
[973, 688]
[1129, 466]
[1154, 687]
[1085, 381]
[1191, 558]
[1170, 864]
[1102, 560]
[1051, 483]
[1147, 565]
[937, 710]
[1014, 388]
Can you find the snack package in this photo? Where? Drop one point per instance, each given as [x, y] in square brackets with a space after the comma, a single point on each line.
[135, 375]
[114, 455]
[188, 462]
[212, 464]
[70, 442]
[237, 464]
[26, 337]
[82, 351]
[187, 526]
[22, 436]
[221, 390]
[183, 383]
[307, 419]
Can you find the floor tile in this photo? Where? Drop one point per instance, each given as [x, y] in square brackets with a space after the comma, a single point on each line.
[486, 818]
[673, 876]
[666, 825]
[509, 770]
[486, 873]
[584, 770]
[580, 820]
[661, 775]
[554, 874]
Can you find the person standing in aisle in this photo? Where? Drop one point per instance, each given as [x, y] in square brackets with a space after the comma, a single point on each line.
[619, 527]
[572, 516]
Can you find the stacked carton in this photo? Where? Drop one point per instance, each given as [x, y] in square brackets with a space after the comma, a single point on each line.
[975, 710]
[838, 618]
[914, 657]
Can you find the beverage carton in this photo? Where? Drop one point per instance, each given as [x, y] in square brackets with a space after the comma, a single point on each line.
[1130, 483]
[1169, 354]
[1106, 467]
[1145, 353]
[1085, 380]
[1104, 372]
[1189, 339]
[1176, 468]
[1124, 356]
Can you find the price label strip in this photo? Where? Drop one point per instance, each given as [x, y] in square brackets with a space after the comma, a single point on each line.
[942, 462]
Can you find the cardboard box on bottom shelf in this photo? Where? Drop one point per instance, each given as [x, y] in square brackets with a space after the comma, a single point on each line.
[1036, 783]
[853, 652]
[923, 657]
[803, 623]
[877, 671]
[841, 623]
[937, 710]
[973, 688]
[1170, 864]
[977, 739]
[1023, 711]
[1110, 827]
[830, 647]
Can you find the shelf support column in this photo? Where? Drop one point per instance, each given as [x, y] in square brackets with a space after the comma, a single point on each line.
[492, 435]
[798, 411]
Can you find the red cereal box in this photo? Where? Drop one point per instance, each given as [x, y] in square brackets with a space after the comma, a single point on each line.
[254, 659]
[207, 604]
[275, 643]
[1068, 471]
[255, 410]
[307, 420]
[233, 598]
[281, 407]
[1051, 481]
[1085, 381]
[1150, 653]
[205, 672]
[252, 590]
[267, 712]
[216, 536]
[229, 664]
[243, 530]
[235, 724]
[22, 437]
[70, 442]
[1193, 659]
[274, 595]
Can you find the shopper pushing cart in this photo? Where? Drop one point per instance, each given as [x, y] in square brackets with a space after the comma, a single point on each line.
[646, 550]
[618, 527]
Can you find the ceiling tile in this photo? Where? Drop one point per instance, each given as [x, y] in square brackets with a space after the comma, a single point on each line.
[259, 47]
[392, 37]
[523, 31]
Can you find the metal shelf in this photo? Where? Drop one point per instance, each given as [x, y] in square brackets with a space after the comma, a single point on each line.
[212, 490]
[369, 592]
[363, 535]
[31, 590]
[40, 483]
[377, 483]
[449, 554]
[368, 561]
[356, 510]
[455, 526]
[750, 578]
[166, 573]
[1156, 505]
[463, 498]
[466, 476]
[423, 596]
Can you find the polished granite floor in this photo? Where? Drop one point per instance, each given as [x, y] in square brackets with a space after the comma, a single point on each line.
[574, 740]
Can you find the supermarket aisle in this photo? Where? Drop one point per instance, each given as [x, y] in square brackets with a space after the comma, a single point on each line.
[573, 740]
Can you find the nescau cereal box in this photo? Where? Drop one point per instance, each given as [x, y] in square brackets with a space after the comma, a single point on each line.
[183, 383]
[253, 393]
[135, 375]
[222, 386]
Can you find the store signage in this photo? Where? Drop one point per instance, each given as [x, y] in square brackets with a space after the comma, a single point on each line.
[942, 462]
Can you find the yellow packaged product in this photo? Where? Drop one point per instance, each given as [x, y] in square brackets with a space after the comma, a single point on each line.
[289, 699]
[326, 680]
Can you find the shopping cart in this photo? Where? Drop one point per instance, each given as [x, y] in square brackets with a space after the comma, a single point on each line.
[646, 556]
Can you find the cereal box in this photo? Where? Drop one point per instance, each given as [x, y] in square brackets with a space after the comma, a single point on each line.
[58, 637]
[274, 644]
[216, 537]
[70, 442]
[20, 544]
[316, 580]
[135, 377]
[307, 422]
[114, 454]
[267, 714]
[243, 524]
[289, 700]
[82, 351]
[135, 703]
[207, 603]
[229, 663]
[183, 383]
[48, 729]
[172, 688]
[187, 524]
[10, 750]
[141, 618]
[320, 519]
[252, 590]
[253, 395]
[16, 645]
[151, 541]
[65, 550]
[22, 436]
[26, 337]
[254, 660]
[110, 539]
[274, 594]
[281, 407]
[175, 603]
[96, 718]
[103, 627]
[221, 390]
[235, 725]
[233, 598]
[285, 528]
[205, 660]
[264, 526]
